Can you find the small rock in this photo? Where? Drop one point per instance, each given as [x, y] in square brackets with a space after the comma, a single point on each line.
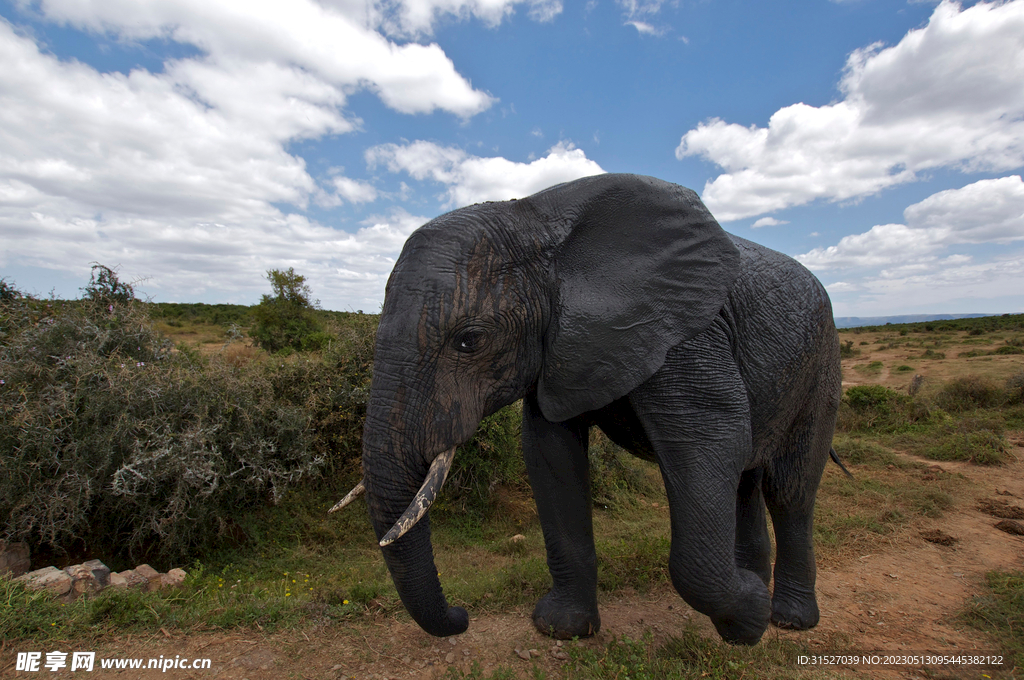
[83, 581]
[173, 578]
[938, 536]
[118, 581]
[523, 654]
[100, 572]
[449, 657]
[518, 538]
[1011, 527]
[134, 580]
[559, 654]
[53, 579]
[151, 575]
[14, 559]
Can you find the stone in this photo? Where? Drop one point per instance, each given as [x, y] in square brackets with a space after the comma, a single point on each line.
[118, 581]
[169, 581]
[82, 581]
[178, 575]
[1011, 527]
[100, 572]
[151, 575]
[14, 559]
[134, 580]
[53, 579]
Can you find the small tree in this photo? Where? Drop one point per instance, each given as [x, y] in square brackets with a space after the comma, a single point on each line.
[287, 319]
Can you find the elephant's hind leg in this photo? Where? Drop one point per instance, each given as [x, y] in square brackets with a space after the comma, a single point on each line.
[790, 487]
[753, 546]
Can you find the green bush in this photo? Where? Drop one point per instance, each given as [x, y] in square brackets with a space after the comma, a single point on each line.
[968, 393]
[110, 438]
[874, 407]
[287, 320]
[1015, 388]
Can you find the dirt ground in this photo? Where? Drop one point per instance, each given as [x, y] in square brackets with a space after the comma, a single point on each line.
[900, 599]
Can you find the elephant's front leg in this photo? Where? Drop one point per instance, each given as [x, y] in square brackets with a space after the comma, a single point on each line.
[696, 416]
[556, 460]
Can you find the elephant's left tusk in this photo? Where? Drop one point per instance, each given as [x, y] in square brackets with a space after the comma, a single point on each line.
[349, 497]
[424, 497]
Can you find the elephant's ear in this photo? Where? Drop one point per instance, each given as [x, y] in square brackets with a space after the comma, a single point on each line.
[643, 266]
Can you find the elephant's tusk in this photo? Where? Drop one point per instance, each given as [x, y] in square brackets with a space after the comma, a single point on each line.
[349, 497]
[424, 497]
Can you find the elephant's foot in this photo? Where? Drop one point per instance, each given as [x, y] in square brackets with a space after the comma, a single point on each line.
[563, 620]
[794, 611]
[745, 622]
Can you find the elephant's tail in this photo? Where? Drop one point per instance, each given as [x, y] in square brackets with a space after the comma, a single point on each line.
[835, 457]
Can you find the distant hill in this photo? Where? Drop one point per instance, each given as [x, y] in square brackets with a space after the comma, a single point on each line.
[854, 321]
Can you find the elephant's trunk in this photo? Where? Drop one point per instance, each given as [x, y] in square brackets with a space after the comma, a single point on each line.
[393, 484]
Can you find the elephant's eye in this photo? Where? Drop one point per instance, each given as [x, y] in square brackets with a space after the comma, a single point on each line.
[469, 340]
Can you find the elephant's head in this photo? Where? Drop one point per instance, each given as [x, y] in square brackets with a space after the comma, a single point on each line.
[577, 291]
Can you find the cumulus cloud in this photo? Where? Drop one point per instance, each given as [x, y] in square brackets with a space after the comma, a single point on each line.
[947, 95]
[353, 191]
[337, 50]
[987, 211]
[417, 17]
[184, 175]
[472, 179]
[767, 222]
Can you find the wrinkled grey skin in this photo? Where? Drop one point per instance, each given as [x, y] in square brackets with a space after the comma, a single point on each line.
[614, 301]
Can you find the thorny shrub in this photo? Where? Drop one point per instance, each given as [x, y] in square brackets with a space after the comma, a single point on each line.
[110, 438]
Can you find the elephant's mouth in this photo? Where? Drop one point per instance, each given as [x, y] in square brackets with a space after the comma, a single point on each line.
[436, 476]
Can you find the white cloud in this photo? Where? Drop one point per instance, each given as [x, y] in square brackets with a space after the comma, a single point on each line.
[472, 179]
[336, 49]
[645, 28]
[177, 175]
[354, 191]
[951, 284]
[947, 95]
[640, 13]
[987, 211]
[417, 17]
[767, 222]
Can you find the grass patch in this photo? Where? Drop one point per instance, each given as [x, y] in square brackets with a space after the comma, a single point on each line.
[690, 655]
[872, 368]
[1000, 613]
[983, 447]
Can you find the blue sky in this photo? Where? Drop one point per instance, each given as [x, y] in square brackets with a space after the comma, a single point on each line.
[194, 144]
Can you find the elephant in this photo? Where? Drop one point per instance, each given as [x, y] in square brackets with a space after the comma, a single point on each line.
[614, 301]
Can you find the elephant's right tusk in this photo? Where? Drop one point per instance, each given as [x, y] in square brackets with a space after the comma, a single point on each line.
[349, 497]
[424, 497]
